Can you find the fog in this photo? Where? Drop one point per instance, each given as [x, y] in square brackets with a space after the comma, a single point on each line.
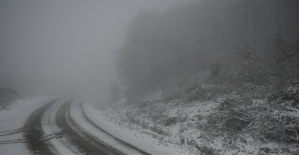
[76, 48]
[64, 47]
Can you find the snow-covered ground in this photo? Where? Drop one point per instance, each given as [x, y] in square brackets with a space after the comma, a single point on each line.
[164, 128]
[138, 138]
[15, 118]
[18, 113]
[59, 144]
[208, 126]
[76, 115]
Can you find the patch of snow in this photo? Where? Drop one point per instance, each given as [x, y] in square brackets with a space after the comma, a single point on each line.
[79, 119]
[15, 118]
[134, 137]
[49, 126]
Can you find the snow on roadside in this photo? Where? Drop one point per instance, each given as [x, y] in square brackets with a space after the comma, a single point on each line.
[15, 118]
[135, 137]
[79, 119]
[196, 119]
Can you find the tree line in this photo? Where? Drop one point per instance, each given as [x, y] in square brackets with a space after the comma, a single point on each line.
[249, 35]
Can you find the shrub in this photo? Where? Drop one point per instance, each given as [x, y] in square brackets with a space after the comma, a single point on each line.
[6, 97]
[204, 150]
[215, 69]
[252, 69]
[171, 121]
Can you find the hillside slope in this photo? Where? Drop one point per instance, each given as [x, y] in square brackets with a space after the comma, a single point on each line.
[215, 119]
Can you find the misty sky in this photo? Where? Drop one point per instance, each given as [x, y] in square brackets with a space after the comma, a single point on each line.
[51, 46]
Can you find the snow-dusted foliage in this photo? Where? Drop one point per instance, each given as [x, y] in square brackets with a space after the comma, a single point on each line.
[217, 118]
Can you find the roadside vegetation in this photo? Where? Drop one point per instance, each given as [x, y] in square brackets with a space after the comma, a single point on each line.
[7, 96]
[232, 86]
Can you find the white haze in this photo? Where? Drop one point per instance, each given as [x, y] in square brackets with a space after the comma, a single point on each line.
[64, 47]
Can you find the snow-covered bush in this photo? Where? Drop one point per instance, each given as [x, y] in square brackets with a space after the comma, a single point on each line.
[252, 69]
[193, 93]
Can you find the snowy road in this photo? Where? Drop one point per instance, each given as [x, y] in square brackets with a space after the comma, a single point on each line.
[62, 127]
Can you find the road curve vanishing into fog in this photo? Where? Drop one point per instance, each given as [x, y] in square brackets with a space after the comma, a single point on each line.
[52, 130]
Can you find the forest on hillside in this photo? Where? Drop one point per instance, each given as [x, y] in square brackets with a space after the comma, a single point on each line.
[247, 41]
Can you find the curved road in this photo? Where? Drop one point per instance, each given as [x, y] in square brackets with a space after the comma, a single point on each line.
[66, 133]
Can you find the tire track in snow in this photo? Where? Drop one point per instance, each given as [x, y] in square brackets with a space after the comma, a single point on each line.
[11, 132]
[87, 143]
[34, 131]
[13, 141]
[117, 139]
[56, 140]
[51, 130]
